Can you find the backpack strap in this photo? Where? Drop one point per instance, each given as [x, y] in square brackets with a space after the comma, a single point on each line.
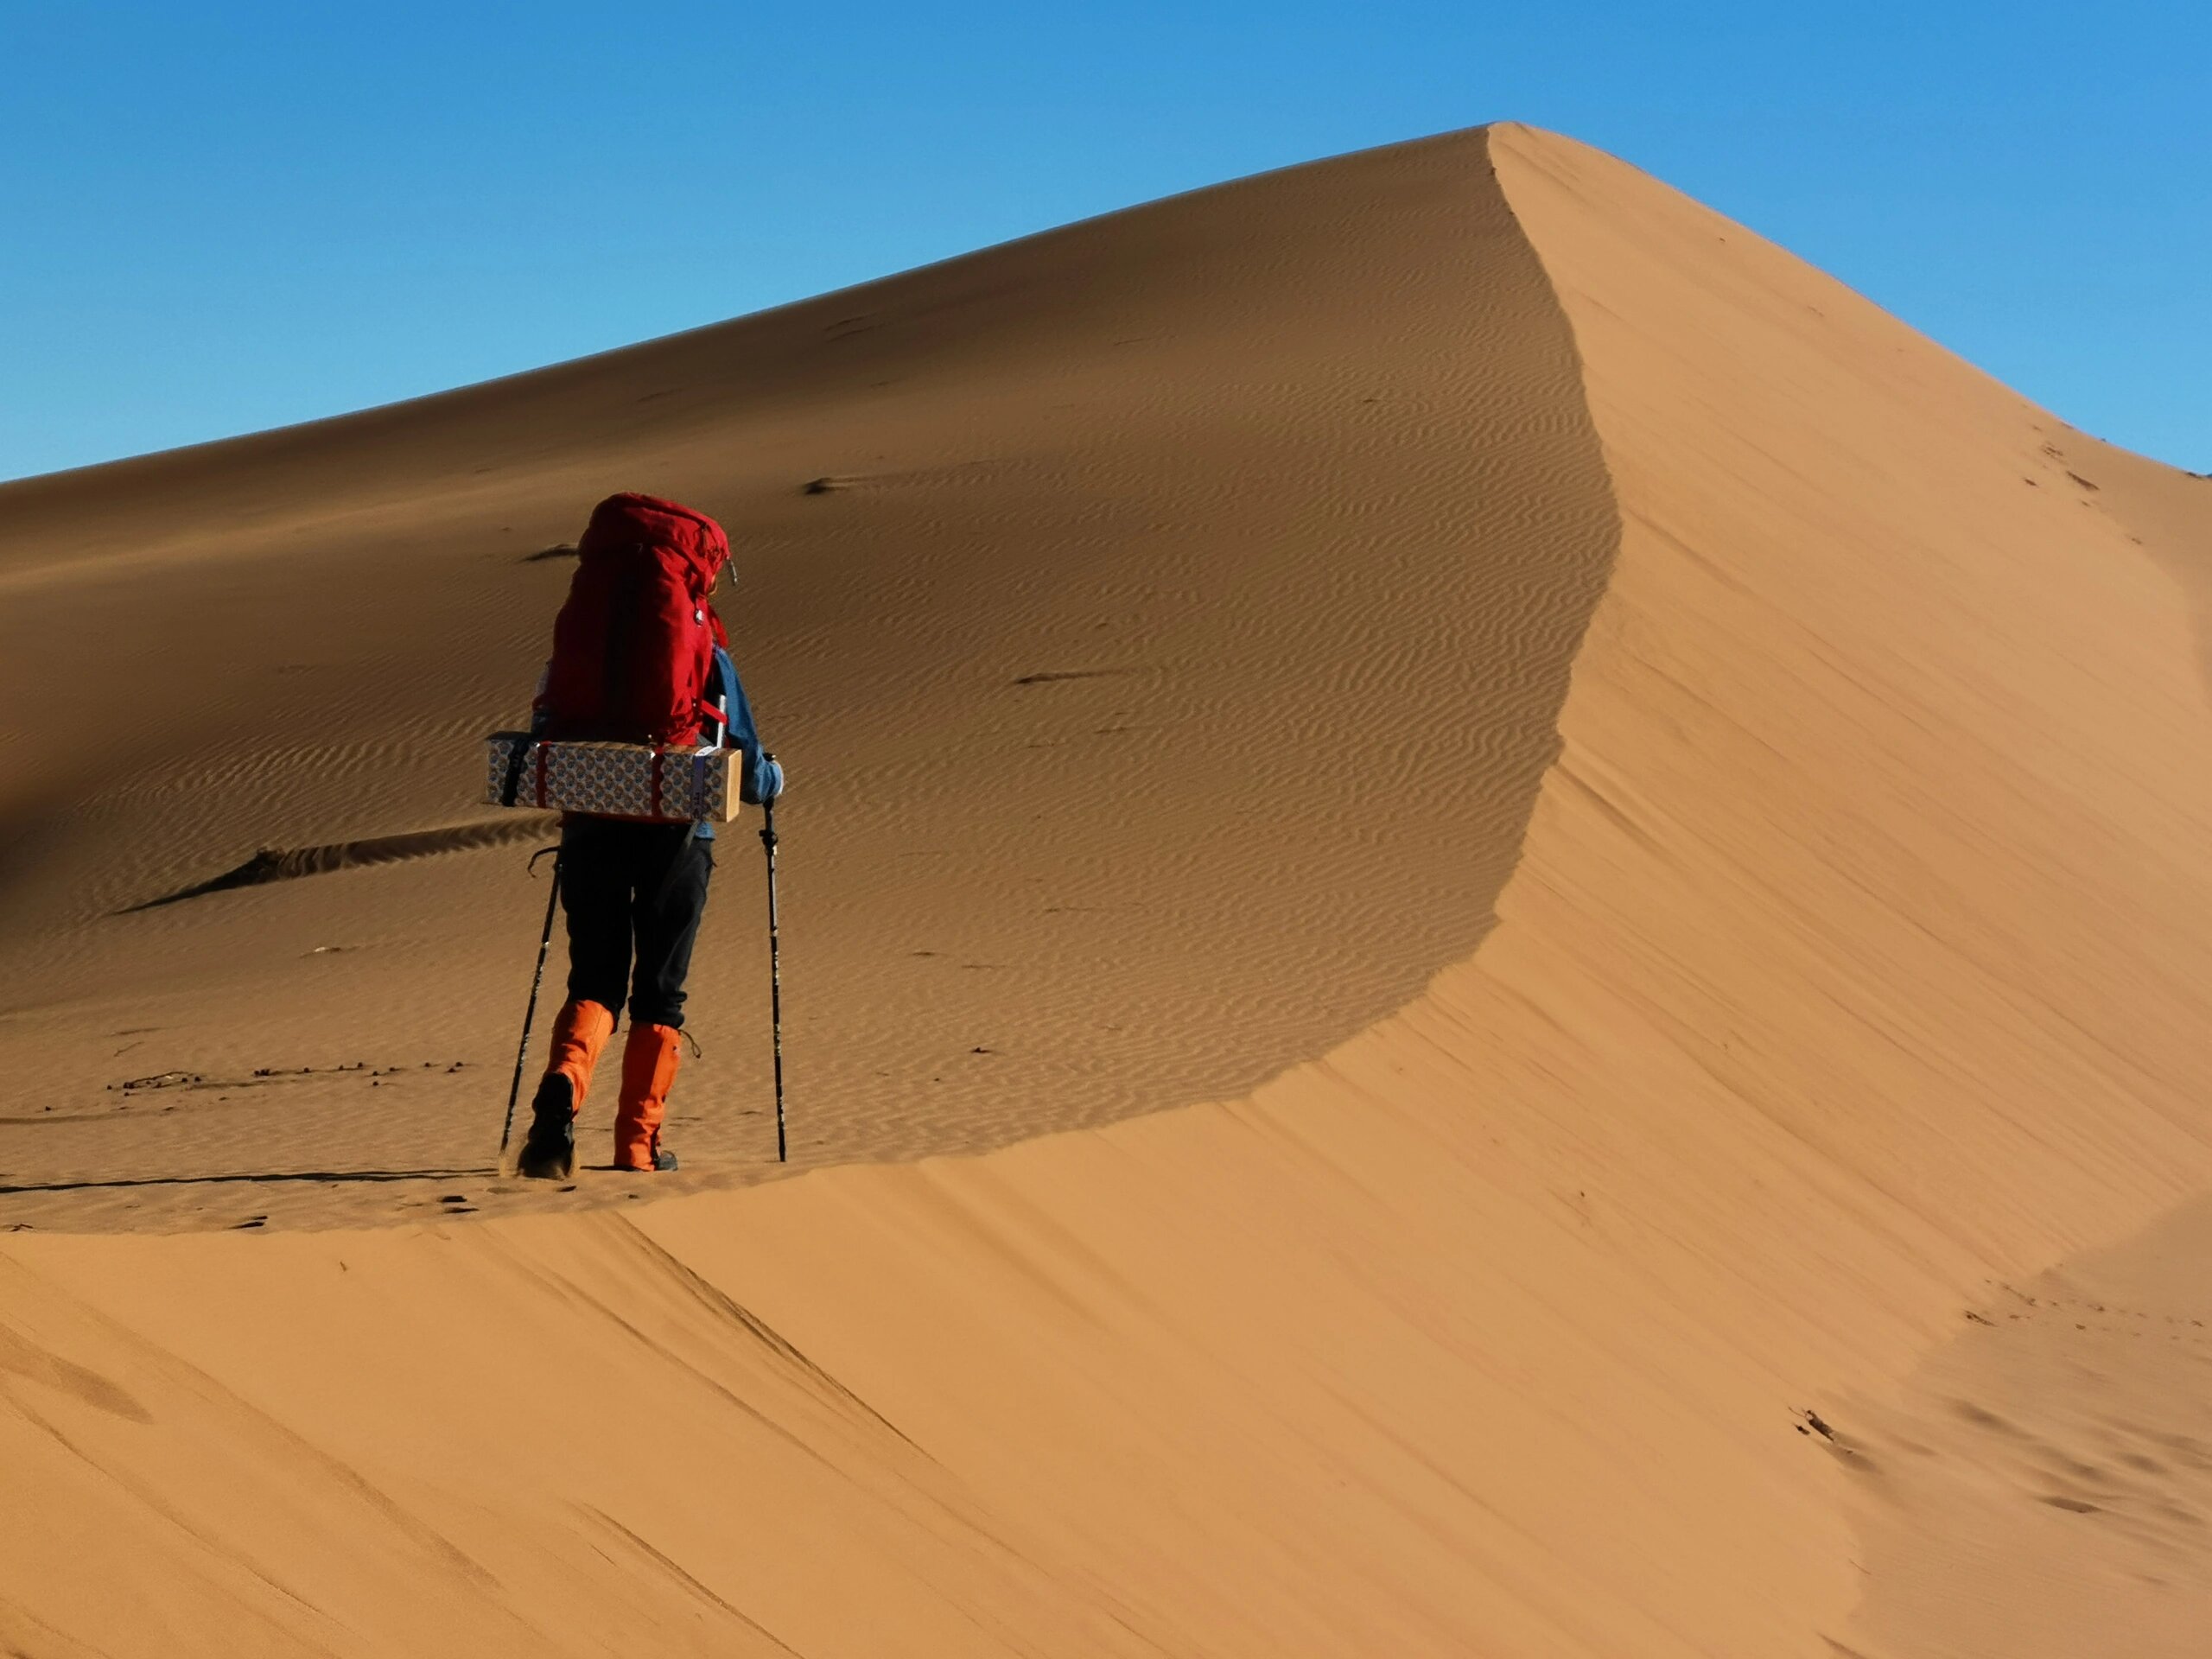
[512, 783]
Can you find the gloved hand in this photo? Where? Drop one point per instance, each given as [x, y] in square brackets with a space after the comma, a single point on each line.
[772, 777]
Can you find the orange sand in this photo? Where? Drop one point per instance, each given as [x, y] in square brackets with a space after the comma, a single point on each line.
[1659, 805]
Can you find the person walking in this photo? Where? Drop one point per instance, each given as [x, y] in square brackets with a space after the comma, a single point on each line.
[638, 656]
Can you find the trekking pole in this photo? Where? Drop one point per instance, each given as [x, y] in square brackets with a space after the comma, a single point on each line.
[775, 973]
[530, 1014]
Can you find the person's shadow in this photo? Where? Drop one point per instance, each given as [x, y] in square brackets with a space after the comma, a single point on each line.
[332, 1176]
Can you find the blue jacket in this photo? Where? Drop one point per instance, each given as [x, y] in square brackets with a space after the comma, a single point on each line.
[763, 779]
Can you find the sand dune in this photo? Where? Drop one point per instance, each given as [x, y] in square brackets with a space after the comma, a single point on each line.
[1659, 806]
[1172, 659]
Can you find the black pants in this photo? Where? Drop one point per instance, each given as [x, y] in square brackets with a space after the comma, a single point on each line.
[624, 882]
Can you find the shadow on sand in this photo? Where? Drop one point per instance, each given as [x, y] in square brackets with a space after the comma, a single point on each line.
[329, 1176]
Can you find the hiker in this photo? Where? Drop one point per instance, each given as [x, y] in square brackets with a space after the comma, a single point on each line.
[638, 656]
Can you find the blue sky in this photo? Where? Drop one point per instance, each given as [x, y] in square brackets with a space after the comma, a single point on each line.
[222, 217]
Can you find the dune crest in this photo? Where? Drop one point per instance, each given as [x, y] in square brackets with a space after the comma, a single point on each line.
[1847, 963]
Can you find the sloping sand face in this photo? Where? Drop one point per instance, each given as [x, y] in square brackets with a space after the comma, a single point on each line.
[1851, 964]
[1166, 619]
[2044, 1483]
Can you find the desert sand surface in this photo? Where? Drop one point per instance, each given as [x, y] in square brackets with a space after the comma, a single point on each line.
[2043, 1485]
[1478, 877]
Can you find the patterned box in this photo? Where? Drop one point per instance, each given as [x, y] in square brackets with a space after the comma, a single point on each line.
[614, 780]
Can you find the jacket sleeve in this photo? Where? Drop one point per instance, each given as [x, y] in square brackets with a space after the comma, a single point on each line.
[764, 779]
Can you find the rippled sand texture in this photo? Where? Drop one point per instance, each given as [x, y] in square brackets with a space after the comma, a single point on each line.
[1164, 618]
[1852, 974]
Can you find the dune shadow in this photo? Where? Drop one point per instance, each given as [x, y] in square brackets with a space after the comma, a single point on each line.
[1279, 702]
[1220, 715]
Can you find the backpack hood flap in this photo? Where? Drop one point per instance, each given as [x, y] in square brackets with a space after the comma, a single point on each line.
[624, 520]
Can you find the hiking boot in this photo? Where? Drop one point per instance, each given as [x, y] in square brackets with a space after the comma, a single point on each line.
[549, 1154]
[580, 1033]
[648, 1069]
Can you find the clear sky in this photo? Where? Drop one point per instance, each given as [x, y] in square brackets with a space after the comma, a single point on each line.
[219, 217]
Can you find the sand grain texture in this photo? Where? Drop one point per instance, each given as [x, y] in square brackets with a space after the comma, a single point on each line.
[1668, 836]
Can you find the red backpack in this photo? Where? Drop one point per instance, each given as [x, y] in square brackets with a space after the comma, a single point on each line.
[634, 645]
